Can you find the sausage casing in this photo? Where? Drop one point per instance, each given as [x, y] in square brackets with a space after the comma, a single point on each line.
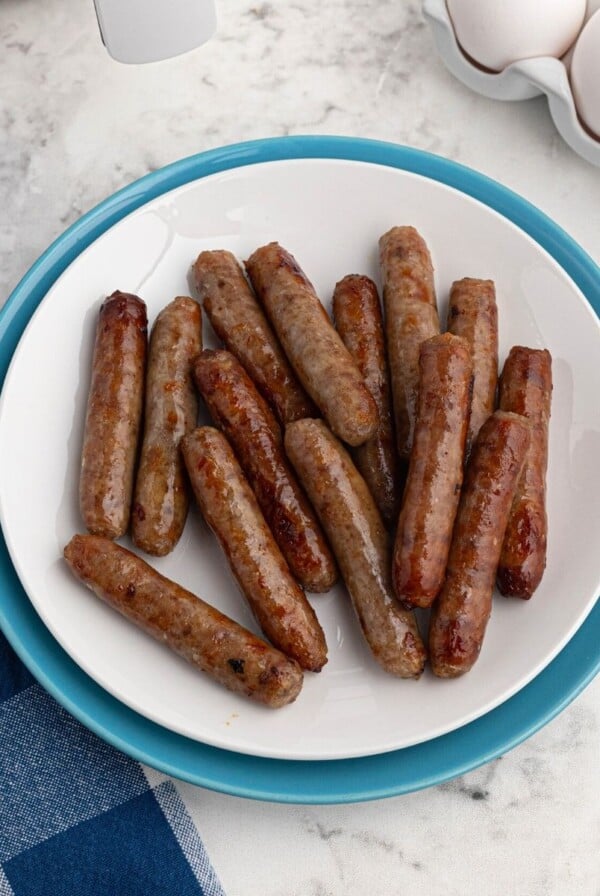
[357, 316]
[241, 325]
[435, 471]
[526, 388]
[241, 413]
[318, 355]
[113, 417]
[160, 502]
[460, 615]
[360, 543]
[473, 314]
[230, 508]
[411, 317]
[206, 638]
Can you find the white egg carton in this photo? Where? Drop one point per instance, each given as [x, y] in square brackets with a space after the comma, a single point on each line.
[522, 80]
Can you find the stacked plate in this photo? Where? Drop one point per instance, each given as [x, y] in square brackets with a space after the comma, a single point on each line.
[354, 733]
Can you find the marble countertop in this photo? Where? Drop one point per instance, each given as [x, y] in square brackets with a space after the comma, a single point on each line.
[75, 127]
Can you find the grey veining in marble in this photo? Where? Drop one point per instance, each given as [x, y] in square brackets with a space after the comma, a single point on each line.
[524, 824]
[74, 127]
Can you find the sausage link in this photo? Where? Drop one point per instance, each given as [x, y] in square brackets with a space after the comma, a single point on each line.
[229, 507]
[113, 417]
[161, 501]
[360, 543]
[411, 317]
[318, 355]
[209, 640]
[460, 615]
[244, 417]
[473, 314]
[526, 388]
[241, 325]
[435, 472]
[357, 316]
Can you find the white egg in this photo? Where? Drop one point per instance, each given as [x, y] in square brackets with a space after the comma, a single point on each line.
[585, 75]
[495, 33]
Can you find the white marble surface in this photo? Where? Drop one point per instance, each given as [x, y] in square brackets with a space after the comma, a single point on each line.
[75, 127]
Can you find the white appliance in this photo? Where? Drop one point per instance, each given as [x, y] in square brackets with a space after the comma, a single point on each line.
[137, 31]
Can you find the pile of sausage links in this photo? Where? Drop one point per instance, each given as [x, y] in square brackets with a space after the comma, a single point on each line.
[372, 447]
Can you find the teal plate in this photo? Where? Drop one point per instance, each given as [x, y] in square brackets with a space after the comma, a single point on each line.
[334, 781]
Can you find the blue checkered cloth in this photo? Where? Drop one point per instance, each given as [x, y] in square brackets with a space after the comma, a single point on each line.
[76, 816]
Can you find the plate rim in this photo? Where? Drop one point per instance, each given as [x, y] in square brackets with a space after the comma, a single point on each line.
[72, 688]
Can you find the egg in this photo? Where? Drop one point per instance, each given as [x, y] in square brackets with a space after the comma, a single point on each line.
[585, 75]
[495, 33]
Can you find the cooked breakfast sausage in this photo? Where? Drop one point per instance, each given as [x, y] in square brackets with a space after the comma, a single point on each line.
[230, 508]
[357, 316]
[244, 417]
[206, 638]
[113, 417]
[473, 314]
[160, 501]
[411, 317]
[435, 471]
[460, 615]
[526, 388]
[317, 354]
[241, 325]
[360, 543]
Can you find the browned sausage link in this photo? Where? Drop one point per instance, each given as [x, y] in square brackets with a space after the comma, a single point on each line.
[231, 510]
[357, 316]
[113, 418]
[318, 355]
[526, 388]
[160, 502]
[473, 314]
[411, 317]
[360, 543]
[241, 325]
[435, 472]
[460, 615]
[238, 409]
[206, 638]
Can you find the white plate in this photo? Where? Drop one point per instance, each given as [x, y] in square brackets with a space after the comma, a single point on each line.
[329, 213]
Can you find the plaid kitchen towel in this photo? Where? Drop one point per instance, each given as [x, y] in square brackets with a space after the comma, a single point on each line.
[76, 816]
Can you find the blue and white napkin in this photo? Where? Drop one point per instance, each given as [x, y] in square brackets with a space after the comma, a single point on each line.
[76, 816]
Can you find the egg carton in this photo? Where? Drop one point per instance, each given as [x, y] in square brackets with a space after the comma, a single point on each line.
[521, 80]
